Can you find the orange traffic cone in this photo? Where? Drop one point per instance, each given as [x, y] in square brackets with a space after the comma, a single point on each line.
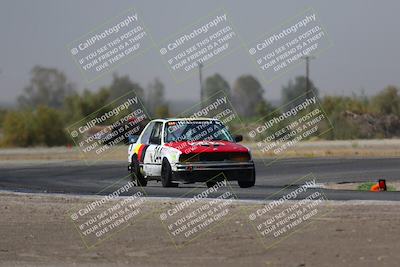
[375, 188]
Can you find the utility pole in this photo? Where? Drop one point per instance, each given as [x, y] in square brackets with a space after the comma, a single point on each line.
[201, 83]
[307, 58]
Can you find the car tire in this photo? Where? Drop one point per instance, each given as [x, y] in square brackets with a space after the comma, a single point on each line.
[136, 175]
[247, 184]
[211, 183]
[166, 174]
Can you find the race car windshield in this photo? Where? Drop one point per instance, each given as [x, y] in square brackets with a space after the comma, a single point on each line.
[196, 131]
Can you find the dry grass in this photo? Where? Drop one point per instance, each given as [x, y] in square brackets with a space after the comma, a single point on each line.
[350, 148]
[392, 186]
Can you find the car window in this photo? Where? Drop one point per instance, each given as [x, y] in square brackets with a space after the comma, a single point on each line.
[156, 134]
[147, 133]
[176, 131]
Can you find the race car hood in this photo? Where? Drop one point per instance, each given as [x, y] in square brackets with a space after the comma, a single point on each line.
[186, 147]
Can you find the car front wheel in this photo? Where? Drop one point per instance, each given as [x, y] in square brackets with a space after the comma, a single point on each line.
[250, 183]
[166, 174]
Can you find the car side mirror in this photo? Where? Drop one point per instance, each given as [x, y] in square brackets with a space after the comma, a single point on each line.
[238, 138]
[132, 139]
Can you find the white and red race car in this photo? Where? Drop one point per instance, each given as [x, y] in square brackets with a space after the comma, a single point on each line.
[182, 150]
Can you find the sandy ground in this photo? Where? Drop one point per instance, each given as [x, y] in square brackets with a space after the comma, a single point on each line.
[35, 230]
[350, 148]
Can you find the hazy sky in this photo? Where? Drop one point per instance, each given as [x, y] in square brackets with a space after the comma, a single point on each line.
[365, 34]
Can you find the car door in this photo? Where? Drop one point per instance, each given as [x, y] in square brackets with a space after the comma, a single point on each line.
[152, 159]
[141, 146]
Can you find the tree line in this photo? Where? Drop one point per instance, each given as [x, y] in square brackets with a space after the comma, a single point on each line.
[50, 103]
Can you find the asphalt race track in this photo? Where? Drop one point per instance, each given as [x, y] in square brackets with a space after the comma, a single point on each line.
[78, 178]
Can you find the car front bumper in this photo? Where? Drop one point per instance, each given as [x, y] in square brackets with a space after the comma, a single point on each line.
[204, 171]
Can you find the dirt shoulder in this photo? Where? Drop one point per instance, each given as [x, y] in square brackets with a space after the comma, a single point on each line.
[36, 230]
[392, 186]
[338, 148]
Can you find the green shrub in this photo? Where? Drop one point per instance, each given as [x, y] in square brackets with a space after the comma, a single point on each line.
[43, 126]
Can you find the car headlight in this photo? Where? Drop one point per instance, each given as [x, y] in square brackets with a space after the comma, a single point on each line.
[240, 157]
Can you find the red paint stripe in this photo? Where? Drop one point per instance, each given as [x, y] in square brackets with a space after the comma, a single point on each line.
[145, 147]
[139, 156]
